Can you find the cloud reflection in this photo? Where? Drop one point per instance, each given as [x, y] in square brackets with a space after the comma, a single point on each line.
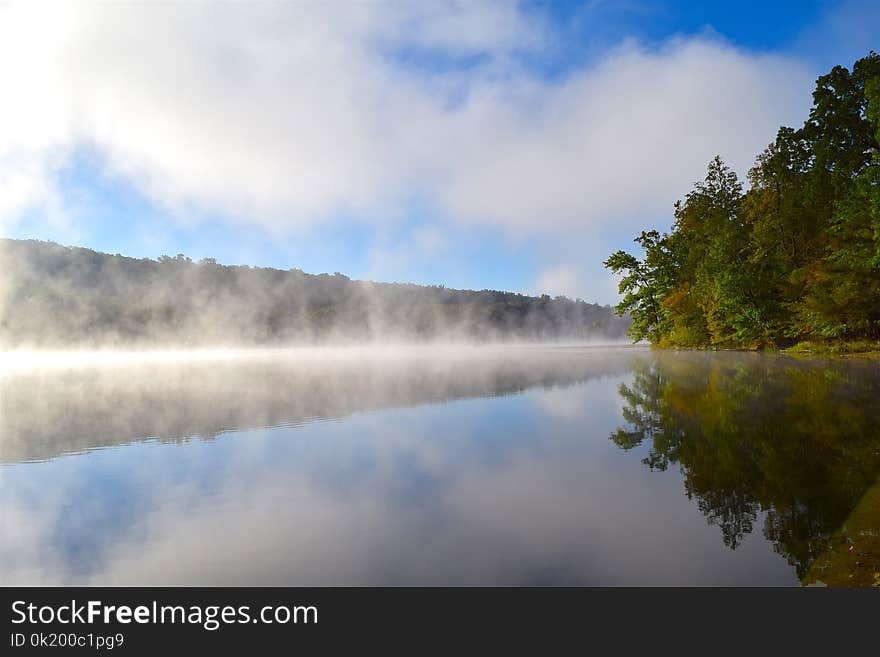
[480, 491]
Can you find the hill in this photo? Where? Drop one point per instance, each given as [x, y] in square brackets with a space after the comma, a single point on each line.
[59, 296]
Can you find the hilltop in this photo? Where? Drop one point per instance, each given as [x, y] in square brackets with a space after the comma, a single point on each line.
[61, 296]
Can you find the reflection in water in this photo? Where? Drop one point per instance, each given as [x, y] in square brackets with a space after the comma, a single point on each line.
[444, 467]
[49, 413]
[796, 440]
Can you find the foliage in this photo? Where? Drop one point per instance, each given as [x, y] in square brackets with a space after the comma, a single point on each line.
[796, 257]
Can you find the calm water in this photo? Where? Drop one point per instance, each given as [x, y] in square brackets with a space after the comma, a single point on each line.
[519, 466]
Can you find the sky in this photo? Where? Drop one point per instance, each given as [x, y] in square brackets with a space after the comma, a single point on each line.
[479, 145]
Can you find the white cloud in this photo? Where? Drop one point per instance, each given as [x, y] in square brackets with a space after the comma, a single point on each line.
[620, 140]
[284, 115]
[561, 279]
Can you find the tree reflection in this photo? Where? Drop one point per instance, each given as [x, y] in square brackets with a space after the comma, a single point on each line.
[796, 440]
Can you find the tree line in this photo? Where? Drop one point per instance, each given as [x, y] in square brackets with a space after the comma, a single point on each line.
[794, 258]
[53, 295]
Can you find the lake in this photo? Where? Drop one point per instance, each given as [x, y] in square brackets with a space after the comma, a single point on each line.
[440, 466]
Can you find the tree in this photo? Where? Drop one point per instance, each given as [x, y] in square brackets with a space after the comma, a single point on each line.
[797, 256]
[643, 284]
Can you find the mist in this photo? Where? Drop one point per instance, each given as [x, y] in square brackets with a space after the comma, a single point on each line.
[61, 404]
[455, 465]
[56, 297]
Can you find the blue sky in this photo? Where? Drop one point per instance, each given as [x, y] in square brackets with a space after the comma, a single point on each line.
[477, 145]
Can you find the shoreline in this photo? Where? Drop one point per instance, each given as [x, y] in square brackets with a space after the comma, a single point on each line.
[811, 349]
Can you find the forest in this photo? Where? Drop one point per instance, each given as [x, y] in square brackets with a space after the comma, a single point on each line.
[58, 296]
[794, 259]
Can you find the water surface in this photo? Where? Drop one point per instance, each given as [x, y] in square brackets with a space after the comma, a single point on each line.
[516, 466]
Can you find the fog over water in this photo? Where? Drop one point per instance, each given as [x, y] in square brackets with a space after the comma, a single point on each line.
[497, 465]
[60, 402]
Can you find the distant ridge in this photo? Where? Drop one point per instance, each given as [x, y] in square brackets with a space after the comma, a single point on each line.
[60, 296]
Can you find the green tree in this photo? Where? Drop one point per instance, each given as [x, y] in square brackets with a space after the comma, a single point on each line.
[644, 284]
[797, 256]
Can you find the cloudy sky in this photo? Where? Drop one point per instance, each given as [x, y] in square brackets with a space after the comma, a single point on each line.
[472, 144]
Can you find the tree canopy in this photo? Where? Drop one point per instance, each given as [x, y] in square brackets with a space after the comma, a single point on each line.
[796, 256]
